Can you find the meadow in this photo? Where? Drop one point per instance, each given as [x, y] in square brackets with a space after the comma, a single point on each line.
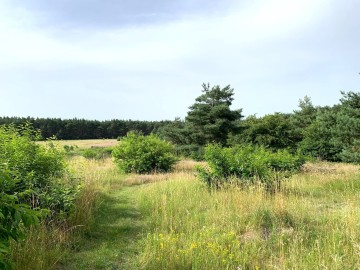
[173, 221]
[85, 144]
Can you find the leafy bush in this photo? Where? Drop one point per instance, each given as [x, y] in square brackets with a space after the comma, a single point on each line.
[247, 164]
[34, 165]
[28, 185]
[334, 134]
[144, 154]
[192, 151]
[70, 148]
[96, 152]
[13, 216]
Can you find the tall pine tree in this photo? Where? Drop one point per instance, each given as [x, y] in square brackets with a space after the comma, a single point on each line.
[210, 118]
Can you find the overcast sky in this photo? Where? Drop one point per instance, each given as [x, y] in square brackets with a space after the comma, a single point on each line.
[146, 60]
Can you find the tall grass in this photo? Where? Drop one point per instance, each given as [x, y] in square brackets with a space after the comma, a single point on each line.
[97, 176]
[46, 245]
[312, 223]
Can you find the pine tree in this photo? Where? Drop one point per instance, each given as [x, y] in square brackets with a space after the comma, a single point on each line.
[210, 118]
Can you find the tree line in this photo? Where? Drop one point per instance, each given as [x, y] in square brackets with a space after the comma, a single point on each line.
[80, 129]
[326, 132]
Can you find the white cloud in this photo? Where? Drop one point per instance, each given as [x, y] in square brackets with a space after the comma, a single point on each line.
[256, 48]
[134, 46]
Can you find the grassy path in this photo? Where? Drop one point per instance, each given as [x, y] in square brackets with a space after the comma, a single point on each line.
[111, 244]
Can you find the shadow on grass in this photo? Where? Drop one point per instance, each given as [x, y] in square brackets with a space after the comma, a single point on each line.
[111, 242]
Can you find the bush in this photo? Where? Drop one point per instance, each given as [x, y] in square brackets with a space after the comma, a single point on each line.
[351, 153]
[34, 165]
[144, 154]
[247, 164]
[14, 217]
[28, 185]
[70, 148]
[96, 152]
[192, 151]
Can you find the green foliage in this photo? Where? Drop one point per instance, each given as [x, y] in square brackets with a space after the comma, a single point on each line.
[210, 118]
[351, 153]
[14, 217]
[59, 198]
[179, 133]
[318, 136]
[144, 154]
[80, 129]
[90, 153]
[335, 133]
[70, 148]
[175, 132]
[274, 131]
[33, 165]
[28, 187]
[303, 117]
[247, 164]
[192, 151]
[96, 152]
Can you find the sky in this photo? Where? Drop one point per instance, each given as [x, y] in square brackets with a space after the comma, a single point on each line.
[147, 60]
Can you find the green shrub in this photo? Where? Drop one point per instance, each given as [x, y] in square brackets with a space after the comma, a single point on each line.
[14, 217]
[35, 165]
[29, 185]
[247, 164]
[192, 151]
[70, 148]
[351, 153]
[96, 152]
[144, 154]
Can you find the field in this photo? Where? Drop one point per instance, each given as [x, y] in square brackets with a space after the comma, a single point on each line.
[173, 221]
[85, 144]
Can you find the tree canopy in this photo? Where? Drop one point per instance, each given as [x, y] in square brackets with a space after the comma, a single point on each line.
[210, 118]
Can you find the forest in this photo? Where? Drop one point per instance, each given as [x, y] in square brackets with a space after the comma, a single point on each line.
[81, 129]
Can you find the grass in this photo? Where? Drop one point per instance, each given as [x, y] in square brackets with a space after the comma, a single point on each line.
[45, 247]
[85, 144]
[111, 240]
[312, 223]
[172, 221]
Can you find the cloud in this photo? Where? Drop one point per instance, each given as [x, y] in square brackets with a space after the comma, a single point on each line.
[99, 14]
[166, 42]
[272, 52]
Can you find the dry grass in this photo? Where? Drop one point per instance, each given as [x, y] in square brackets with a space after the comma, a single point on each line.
[330, 168]
[183, 169]
[45, 246]
[324, 179]
[85, 144]
[312, 223]
[187, 165]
